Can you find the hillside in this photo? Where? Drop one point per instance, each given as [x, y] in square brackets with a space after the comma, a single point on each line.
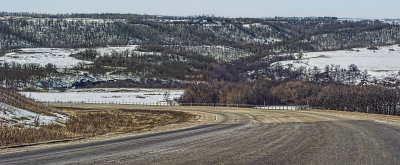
[274, 34]
[23, 121]
[380, 62]
[20, 111]
[128, 50]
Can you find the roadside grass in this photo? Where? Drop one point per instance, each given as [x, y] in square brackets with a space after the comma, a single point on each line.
[88, 123]
[14, 135]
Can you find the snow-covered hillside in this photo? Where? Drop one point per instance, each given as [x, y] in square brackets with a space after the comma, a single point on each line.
[11, 115]
[18, 110]
[378, 63]
[58, 56]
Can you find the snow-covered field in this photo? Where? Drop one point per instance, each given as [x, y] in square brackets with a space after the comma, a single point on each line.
[378, 63]
[106, 95]
[12, 116]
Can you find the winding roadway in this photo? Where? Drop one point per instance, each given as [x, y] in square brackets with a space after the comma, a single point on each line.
[239, 136]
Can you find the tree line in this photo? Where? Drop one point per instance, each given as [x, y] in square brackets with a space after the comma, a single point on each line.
[261, 37]
[14, 74]
[149, 62]
[270, 68]
[335, 96]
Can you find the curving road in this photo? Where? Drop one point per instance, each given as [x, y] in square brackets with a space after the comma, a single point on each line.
[239, 136]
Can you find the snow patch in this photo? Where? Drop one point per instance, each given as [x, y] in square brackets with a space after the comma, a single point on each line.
[13, 116]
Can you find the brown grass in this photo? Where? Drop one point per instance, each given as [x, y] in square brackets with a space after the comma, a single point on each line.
[12, 135]
[82, 122]
[13, 98]
[89, 123]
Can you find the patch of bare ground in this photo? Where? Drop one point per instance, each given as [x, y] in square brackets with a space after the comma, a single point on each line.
[100, 123]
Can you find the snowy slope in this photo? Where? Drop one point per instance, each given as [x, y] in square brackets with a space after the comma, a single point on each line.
[378, 63]
[12, 115]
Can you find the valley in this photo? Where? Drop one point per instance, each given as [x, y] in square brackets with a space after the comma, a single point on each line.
[109, 88]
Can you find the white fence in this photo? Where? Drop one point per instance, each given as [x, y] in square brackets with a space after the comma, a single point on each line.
[174, 103]
[281, 107]
[116, 102]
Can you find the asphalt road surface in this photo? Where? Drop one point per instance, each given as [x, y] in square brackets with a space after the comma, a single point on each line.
[239, 136]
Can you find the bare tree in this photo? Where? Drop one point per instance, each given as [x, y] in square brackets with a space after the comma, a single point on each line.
[166, 95]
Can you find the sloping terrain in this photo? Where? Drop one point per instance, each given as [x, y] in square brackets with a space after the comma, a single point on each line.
[18, 110]
[170, 51]
[382, 62]
[25, 122]
[278, 34]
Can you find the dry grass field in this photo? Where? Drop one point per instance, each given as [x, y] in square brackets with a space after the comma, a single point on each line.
[92, 122]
